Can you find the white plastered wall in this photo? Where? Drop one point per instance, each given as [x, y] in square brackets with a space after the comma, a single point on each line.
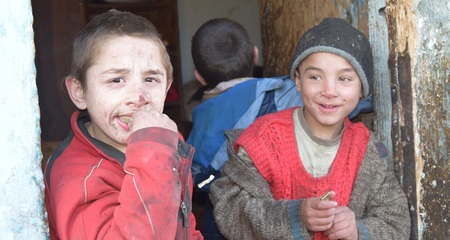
[22, 214]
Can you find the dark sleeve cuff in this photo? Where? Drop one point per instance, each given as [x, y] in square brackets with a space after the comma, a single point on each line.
[293, 209]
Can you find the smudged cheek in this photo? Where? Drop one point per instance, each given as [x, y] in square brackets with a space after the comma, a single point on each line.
[119, 134]
[156, 99]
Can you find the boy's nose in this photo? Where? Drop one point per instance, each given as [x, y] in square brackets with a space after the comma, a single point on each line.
[142, 98]
[329, 89]
[137, 97]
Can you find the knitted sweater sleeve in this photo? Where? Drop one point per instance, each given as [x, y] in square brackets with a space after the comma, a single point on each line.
[244, 207]
[378, 201]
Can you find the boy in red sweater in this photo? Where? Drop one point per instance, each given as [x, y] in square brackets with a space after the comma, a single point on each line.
[124, 171]
[308, 172]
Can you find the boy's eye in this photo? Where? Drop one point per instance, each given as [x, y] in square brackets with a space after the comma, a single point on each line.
[151, 79]
[345, 79]
[117, 80]
[315, 77]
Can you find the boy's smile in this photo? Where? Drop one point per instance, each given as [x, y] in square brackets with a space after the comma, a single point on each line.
[127, 75]
[331, 89]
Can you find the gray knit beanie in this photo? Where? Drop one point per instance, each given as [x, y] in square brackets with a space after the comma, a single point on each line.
[337, 36]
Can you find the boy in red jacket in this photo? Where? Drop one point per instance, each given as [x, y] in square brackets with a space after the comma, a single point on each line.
[124, 171]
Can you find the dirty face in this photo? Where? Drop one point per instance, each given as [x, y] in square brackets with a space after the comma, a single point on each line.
[127, 74]
[331, 89]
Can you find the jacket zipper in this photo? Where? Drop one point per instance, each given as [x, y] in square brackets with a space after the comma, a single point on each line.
[185, 212]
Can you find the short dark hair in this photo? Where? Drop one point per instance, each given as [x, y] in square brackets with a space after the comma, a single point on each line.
[112, 23]
[222, 50]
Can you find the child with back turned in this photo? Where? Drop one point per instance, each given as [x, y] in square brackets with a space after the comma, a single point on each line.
[124, 171]
[308, 172]
[224, 59]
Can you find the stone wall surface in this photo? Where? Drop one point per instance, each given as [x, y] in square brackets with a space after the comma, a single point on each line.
[22, 212]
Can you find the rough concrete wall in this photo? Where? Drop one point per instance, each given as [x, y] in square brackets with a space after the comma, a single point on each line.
[419, 61]
[21, 200]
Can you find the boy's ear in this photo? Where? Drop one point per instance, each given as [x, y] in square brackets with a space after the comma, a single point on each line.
[169, 84]
[76, 92]
[297, 81]
[199, 78]
[255, 55]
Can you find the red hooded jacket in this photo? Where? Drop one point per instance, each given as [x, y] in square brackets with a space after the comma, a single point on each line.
[94, 191]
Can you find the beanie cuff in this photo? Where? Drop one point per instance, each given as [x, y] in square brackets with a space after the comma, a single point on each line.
[352, 60]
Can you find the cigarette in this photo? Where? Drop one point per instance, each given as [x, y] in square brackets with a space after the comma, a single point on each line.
[326, 196]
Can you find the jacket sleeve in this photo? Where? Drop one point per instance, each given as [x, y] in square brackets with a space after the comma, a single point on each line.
[379, 203]
[155, 180]
[151, 190]
[244, 207]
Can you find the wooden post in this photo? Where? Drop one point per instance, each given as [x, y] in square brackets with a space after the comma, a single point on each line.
[419, 63]
[283, 22]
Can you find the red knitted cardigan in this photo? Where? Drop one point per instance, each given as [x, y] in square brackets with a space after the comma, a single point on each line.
[271, 144]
